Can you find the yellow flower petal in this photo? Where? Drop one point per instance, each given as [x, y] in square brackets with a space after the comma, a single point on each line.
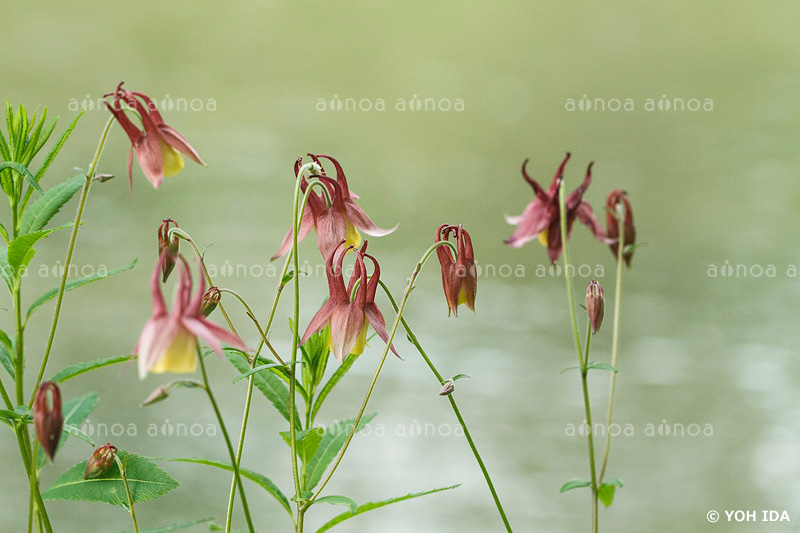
[543, 237]
[180, 357]
[173, 160]
[361, 342]
[353, 236]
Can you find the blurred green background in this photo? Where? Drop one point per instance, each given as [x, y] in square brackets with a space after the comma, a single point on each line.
[710, 188]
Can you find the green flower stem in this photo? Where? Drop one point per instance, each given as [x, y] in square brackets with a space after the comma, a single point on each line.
[6, 397]
[123, 472]
[25, 450]
[576, 335]
[32, 500]
[441, 380]
[71, 248]
[295, 337]
[614, 343]
[234, 465]
[406, 293]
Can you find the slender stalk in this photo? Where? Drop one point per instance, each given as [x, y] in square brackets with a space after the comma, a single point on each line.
[31, 503]
[590, 434]
[123, 472]
[581, 360]
[395, 326]
[6, 397]
[440, 379]
[70, 249]
[19, 370]
[25, 450]
[614, 343]
[218, 413]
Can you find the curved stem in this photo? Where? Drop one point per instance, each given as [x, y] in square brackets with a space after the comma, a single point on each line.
[396, 324]
[252, 317]
[614, 344]
[440, 379]
[218, 413]
[70, 249]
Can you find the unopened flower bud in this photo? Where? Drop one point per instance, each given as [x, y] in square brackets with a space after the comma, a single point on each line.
[48, 419]
[210, 301]
[595, 305]
[161, 393]
[447, 389]
[168, 246]
[100, 461]
[102, 178]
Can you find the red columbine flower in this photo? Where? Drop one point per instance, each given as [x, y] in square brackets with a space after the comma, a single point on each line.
[541, 217]
[48, 420]
[348, 318]
[341, 220]
[612, 224]
[459, 275]
[157, 147]
[168, 342]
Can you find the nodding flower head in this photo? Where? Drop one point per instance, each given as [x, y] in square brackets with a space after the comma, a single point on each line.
[459, 274]
[167, 246]
[158, 146]
[169, 339]
[341, 219]
[48, 419]
[349, 315]
[541, 218]
[617, 200]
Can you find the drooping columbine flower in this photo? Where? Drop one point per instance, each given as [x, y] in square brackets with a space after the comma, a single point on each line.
[158, 147]
[348, 317]
[595, 305]
[541, 218]
[48, 420]
[168, 342]
[615, 199]
[167, 246]
[459, 274]
[341, 220]
[100, 461]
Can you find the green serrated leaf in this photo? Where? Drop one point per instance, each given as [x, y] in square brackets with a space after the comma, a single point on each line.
[82, 368]
[339, 500]
[331, 383]
[23, 171]
[575, 484]
[255, 477]
[332, 441]
[54, 151]
[269, 384]
[307, 442]
[146, 481]
[6, 354]
[377, 505]
[76, 283]
[20, 250]
[47, 205]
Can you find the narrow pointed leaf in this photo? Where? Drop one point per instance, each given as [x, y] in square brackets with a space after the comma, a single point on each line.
[255, 370]
[329, 446]
[377, 505]
[54, 151]
[339, 500]
[332, 382]
[20, 250]
[575, 484]
[75, 283]
[255, 477]
[23, 171]
[82, 368]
